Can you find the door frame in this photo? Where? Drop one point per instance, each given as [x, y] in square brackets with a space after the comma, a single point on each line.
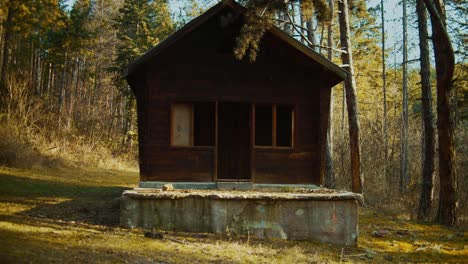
[216, 149]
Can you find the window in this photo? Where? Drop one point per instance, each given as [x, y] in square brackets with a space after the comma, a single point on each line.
[193, 124]
[204, 124]
[274, 125]
[284, 125]
[263, 125]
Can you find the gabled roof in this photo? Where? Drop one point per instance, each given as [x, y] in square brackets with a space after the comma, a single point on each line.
[195, 23]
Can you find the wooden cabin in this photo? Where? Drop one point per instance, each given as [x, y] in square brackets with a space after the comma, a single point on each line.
[204, 116]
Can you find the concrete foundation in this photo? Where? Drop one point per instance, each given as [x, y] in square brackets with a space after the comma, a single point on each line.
[326, 217]
[225, 185]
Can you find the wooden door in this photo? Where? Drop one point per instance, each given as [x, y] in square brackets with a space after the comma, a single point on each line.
[234, 141]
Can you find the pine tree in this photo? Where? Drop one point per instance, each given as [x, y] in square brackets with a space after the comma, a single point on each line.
[404, 177]
[428, 148]
[445, 66]
[25, 33]
[141, 24]
[384, 91]
[351, 100]
[329, 174]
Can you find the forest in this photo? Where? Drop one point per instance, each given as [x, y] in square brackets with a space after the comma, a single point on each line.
[398, 129]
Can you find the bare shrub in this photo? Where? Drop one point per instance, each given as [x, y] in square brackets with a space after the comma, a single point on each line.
[19, 126]
[15, 152]
[381, 190]
[30, 135]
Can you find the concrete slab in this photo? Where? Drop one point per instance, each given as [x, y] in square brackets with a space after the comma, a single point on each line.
[324, 216]
[178, 185]
[234, 185]
[226, 185]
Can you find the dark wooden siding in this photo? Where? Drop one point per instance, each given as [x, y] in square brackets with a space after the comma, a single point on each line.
[180, 164]
[201, 67]
[285, 166]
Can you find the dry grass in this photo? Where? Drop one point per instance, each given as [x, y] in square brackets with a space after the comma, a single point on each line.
[32, 135]
[71, 216]
[35, 150]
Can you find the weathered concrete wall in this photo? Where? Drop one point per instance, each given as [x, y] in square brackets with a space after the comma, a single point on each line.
[301, 216]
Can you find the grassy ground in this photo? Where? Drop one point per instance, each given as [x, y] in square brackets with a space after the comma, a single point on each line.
[71, 216]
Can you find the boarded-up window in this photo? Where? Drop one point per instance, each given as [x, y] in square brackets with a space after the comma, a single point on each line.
[274, 125]
[182, 125]
[193, 124]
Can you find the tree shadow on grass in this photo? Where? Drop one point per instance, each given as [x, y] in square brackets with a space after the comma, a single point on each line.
[55, 205]
[29, 248]
[63, 201]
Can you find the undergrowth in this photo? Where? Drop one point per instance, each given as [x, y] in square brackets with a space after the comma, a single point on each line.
[33, 134]
[71, 150]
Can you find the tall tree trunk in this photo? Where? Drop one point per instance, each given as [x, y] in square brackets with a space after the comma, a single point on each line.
[384, 92]
[351, 101]
[51, 84]
[303, 24]
[62, 90]
[292, 11]
[73, 93]
[311, 33]
[38, 79]
[404, 177]
[6, 50]
[428, 149]
[128, 120]
[329, 172]
[287, 27]
[2, 29]
[32, 69]
[96, 88]
[445, 66]
[322, 35]
[49, 78]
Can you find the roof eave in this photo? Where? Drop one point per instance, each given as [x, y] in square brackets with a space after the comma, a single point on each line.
[329, 65]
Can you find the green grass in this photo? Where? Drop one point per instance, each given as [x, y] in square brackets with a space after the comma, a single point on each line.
[70, 215]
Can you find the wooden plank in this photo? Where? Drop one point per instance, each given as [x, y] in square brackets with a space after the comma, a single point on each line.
[274, 125]
[178, 164]
[286, 166]
[252, 142]
[172, 126]
[293, 134]
[215, 159]
[191, 125]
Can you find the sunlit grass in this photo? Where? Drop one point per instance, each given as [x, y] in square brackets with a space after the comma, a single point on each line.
[70, 215]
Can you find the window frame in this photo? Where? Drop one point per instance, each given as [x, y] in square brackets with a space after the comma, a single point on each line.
[274, 126]
[192, 127]
[253, 127]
